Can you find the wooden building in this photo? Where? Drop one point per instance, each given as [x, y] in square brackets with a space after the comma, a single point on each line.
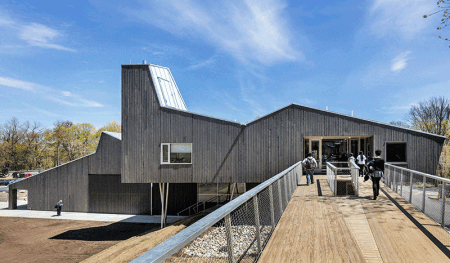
[162, 142]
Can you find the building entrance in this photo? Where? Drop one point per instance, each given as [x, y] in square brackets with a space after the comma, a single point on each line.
[336, 149]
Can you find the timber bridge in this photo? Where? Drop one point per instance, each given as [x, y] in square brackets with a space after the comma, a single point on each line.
[333, 220]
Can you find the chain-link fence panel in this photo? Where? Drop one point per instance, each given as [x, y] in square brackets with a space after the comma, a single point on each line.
[211, 246]
[236, 232]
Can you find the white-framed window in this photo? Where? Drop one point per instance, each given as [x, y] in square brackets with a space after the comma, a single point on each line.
[176, 153]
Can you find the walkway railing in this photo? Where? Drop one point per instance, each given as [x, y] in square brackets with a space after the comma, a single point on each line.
[236, 232]
[427, 192]
[343, 178]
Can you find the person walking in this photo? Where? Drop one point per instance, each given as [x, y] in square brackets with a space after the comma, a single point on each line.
[350, 159]
[310, 164]
[376, 167]
[361, 163]
[58, 207]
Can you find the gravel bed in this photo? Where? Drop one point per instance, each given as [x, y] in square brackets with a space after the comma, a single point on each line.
[214, 243]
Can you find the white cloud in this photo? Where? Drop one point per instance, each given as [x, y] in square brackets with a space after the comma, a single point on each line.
[18, 35]
[201, 64]
[398, 18]
[250, 30]
[18, 84]
[400, 61]
[65, 97]
[41, 36]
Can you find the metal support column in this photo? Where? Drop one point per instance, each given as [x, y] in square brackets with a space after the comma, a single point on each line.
[272, 211]
[257, 223]
[279, 196]
[411, 175]
[401, 183]
[443, 204]
[286, 190]
[229, 238]
[424, 193]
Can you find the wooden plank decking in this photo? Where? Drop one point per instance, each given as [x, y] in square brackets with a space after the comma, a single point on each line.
[346, 229]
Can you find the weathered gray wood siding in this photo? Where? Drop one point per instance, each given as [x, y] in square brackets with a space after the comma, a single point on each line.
[70, 181]
[227, 152]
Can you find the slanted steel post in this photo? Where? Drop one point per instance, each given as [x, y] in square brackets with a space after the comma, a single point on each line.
[395, 180]
[411, 175]
[401, 183]
[424, 187]
[335, 181]
[443, 204]
[286, 190]
[257, 223]
[229, 238]
[272, 211]
[279, 197]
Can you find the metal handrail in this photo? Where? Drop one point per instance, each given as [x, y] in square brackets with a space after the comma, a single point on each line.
[419, 173]
[184, 237]
[332, 175]
[420, 201]
[199, 204]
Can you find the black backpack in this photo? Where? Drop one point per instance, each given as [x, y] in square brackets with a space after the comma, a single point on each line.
[309, 164]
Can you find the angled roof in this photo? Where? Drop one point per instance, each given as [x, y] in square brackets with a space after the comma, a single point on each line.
[166, 88]
[116, 135]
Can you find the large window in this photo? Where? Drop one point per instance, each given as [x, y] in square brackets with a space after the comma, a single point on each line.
[176, 153]
[396, 152]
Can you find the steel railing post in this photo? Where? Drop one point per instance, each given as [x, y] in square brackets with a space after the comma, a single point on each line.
[229, 238]
[401, 183]
[335, 181]
[285, 191]
[279, 197]
[411, 187]
[443, 204]
[272, 211]
[394, 184]
[424, 187]
[257, 223]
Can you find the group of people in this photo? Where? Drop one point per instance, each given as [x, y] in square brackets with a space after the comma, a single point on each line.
[372, 168]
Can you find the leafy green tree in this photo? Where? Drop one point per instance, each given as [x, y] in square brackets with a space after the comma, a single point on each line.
[112, 127]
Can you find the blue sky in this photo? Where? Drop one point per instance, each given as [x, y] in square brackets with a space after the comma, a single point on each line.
[233, 60]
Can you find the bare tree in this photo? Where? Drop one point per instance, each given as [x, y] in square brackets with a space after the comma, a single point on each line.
[400, 124]
[431, 116]
[12, 135]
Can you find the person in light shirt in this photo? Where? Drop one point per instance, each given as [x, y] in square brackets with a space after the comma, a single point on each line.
[361, 163]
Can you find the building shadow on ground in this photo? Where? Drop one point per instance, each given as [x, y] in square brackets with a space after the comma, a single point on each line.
[113, 232]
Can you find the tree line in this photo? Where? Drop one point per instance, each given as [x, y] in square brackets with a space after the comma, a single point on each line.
[432, 116]
[30, 146]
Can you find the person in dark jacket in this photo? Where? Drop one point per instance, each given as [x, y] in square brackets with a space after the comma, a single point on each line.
[376, 167]
[58, 207]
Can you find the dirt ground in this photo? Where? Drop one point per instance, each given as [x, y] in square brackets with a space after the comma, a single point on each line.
[47, 240]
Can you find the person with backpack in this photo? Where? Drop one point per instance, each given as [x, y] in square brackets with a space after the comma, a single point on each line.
[361, 163]
[310, 164]
[376, 168]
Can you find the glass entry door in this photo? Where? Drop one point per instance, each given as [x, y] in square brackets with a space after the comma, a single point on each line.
[316, 151]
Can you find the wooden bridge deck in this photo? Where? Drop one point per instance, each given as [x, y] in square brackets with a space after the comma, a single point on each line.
[324, 228]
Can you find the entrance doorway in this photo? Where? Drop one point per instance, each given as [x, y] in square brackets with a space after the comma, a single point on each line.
[336, 149]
